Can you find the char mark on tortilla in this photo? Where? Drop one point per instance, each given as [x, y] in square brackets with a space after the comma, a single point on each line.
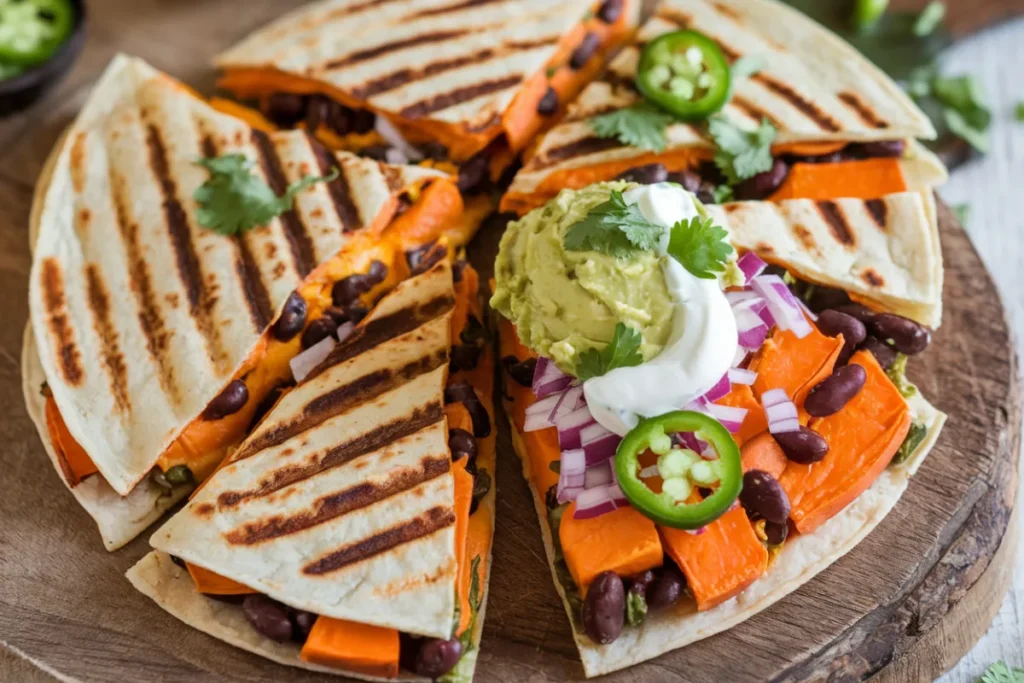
[577, 148]
[113, 359]
[878, 212]
[396, 46]
[808, 109]
[60, 326]
[303, 252]
[460, 95]
[432, 520]
[837, 223]
[343, 502]
[754, 112]
[419, 418]
[339, 188]
[446, 9]
[866, 114]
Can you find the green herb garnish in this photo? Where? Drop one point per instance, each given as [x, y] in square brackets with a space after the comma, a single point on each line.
[963, 213]
[742, 153]
[622, 352]
[700, 246]
[641, 125]
[867, 13]
[964, 109]
[614, 228]
[1000, 672]
[929, 19]
[234, 200]
[723, 194]
[636, 608]
[1018, 112]
[898, 374]
[914, 438]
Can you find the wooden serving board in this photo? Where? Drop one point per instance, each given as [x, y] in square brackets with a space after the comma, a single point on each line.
[905, 604]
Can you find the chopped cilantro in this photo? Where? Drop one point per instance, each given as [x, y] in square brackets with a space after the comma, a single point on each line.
[233, 200]
[930, 19]
[1000, 672]
[956, 104]
[898, 374]
[867, 13]
[963, 213]
[636, 608]
[723, 194]
[741, 153]
[622, 352]
[641, 125]
[914, 438]
[614, 228]
[700, 246]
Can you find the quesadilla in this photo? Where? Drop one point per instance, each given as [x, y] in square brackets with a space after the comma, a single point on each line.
[353, 525]
[836, 125]
[160, 339]
[702, 432]
[448, 81]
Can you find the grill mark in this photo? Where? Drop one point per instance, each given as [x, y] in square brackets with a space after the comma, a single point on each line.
[753, 111]
[397, 79]
[339, 188]
[150, 318]
[577, 148]
[866, 114]
[351, 499]
[808, 109]
[60, 327]
[355, 9]
[343, 399]
[386, 48]
[117, 370]
[438, 11]
[76, 163]
[459, 95]
[256, 295]
[728, 11]
[432, 520]
[837, 224]
[872, 278]
[299, 241]
[374, 440]
[879, 212]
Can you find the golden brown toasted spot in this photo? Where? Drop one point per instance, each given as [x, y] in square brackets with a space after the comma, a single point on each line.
[764, 248]
[872, 277]
[76, 163]
[60, 327]
[805, 237]
[113, 359]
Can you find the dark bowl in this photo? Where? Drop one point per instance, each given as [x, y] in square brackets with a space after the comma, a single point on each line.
[21, 91]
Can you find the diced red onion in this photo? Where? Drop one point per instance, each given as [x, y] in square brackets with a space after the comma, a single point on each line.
[304, 363]
[570, 426]
[781, 412]
[570, 400]
[538, 415]
[751, 265]
[344, 330]
[571, 475]
[720, 390]
[690, 440]
[740, 376]
[394, 138]
[602, 449]
[785, 426]
[548, 379]
[730, 416]
[807, 311]
[597, 501]
[773, 396]
[601, 475]
[784, 307]
[739, 296]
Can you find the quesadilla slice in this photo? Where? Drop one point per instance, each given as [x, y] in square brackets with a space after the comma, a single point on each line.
[439, 81]
[180, 260]
[704, 431]
[353, 525]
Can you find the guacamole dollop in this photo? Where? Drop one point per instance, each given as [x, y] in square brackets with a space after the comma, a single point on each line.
[565, 302]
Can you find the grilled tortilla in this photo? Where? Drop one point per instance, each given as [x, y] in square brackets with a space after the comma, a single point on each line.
[140, 317]
[342, 501]
[463, 74]
[812, 86]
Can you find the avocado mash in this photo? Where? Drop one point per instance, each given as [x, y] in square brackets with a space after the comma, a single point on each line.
[564, 302]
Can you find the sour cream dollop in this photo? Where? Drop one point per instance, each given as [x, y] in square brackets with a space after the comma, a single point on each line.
[703, 342]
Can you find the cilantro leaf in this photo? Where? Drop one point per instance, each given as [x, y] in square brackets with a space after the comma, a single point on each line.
[622, 352]
[964, 110]
[723, 194]
[914, 438]
[641, 125]
[1000, 672]
[233, 200]
[614, 228]
[929, 19]
[636, 608]
[741, 153]
[963, 213]
[700, 246]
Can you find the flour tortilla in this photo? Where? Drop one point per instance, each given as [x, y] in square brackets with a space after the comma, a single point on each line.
[129, 365]
[812, 85]
[801, 559]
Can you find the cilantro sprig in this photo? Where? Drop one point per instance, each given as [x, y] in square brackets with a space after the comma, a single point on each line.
[622, 352]
[700, 246]
[740, 153]
[1000, 672]
[233, 200]
[641, 125]
[614, 228]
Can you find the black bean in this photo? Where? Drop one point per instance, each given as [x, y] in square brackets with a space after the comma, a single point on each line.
[907, 336]
[803, 446]
[521, 372]
[424, 258]
[706, 193]
[318, 330]
[582, 54]
[378, 272]
[268, 616]
[610, 11]
[763, 184]
[882, 148]
[640, 583]
[481, 486]
[293, 318]
[820, 159]
[830, 395]
[763, 497]
[835, 323]
[337, 314]
[268, 402]
[356, 311]
[458, 267]
[481, 418]
[776, 533]
[551, 497]
[474, 332]
[883, 353]
[437, 657]
[690, 181]
[228, 599]
[461, 443]
[434, 150]
[349, 289]
[229, 401]
[548, 104]
[317, 111]
[823, 298]
[473, 173]
[375, 152]
[178, 561]
[284, 109]
[648, 174]
[858, 311]
[302, 624]
[604, 609]
[464, 357]
[339, 118]
[363, 121]
[459, 391]
[667, 588]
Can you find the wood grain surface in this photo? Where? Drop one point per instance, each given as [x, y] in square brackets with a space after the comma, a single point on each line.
[65, 606]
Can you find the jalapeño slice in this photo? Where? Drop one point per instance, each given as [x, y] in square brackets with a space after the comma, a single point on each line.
[685, 73]
[32, 30]
[669, 508]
